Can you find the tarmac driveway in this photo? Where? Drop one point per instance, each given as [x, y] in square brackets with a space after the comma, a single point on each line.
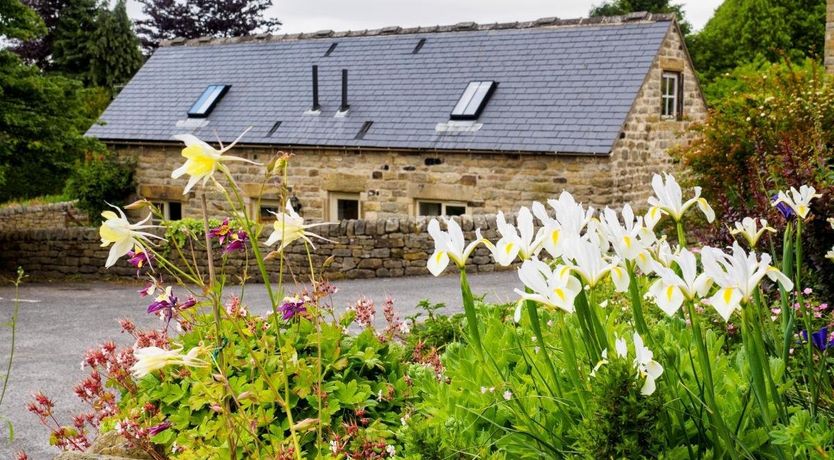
[59, 321]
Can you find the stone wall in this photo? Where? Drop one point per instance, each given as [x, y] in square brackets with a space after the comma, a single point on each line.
[42, 216]
[643, 148]
[358, 249]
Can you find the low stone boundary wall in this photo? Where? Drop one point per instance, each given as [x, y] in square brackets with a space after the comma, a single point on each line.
[357, 249]
[41, 217]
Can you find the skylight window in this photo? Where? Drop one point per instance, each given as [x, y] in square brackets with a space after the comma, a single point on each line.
[205, 104]
[473, 100]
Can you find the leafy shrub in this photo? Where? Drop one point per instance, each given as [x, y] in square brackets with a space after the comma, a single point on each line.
[769, 130]
[98, 180]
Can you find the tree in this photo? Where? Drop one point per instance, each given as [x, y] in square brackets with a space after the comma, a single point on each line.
[18, 22]
[65, 48]
[71, 45]
[742, 31]
[167, 19]
[620, 7]
[115, 48]
[42, 118]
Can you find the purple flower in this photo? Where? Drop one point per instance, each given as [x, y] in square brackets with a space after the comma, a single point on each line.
[222, 232]
[783, 208]
[237, 243]
[189, 302]
[291, 307]
[820, 339]
[165, 301]
[155, 430]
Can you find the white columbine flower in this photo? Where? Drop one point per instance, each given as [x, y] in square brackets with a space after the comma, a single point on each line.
[523, 241]
[748, 228]
[289, 226]
[551, 287]
[202, 160]
[669, 199]
[123, 235]
[450, 245]
[149, 359]
[737, 276]
[799, 200]
[672, 289]
[646, 366]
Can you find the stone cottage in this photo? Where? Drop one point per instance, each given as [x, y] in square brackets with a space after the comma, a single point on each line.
[442, 120]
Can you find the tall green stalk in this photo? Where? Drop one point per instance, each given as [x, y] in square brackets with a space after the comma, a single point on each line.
[471, 315]
[719, 427]
[532, 311]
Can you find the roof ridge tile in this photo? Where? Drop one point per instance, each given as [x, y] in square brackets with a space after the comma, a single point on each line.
[547, 22]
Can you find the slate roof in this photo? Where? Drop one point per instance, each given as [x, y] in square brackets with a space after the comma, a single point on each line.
[565, 86]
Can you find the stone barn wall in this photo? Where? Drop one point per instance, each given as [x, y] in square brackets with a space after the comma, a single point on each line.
[358, 249]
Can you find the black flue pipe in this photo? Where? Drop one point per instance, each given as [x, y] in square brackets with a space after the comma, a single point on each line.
[316, 105]
[345, 106]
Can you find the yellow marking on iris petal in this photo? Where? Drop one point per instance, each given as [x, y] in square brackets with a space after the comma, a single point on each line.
[564, 271]
[439, 256]
[801, 210]
[560, 293]
[728, 295]
[627, 241]
[670, 291]
[509, 248]
[555, 235]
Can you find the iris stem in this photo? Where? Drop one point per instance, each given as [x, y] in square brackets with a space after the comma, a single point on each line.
[469, 311]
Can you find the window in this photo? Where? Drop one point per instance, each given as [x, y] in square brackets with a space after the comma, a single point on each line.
[345, 206]
[266, 209]
[171, 210]
[671, 95]
[206, 102]
[473, 100]
[440, 208]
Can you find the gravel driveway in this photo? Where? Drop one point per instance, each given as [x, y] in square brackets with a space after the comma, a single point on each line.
[59, 321]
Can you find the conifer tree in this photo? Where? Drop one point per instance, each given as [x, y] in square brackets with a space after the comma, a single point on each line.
[115, 48]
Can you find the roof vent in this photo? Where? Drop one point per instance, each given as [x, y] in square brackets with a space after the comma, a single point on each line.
[323, 33]
[363, 130]
[330, 50]
[316, 105]
[273, 129]
[473, 100]
[469, 25]
[390, 30]
[345, 106]
[206, 102]
[546, 21]
[419, 46]
[636, 16]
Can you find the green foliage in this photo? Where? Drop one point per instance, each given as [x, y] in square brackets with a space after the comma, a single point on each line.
[72, 45]
[742, 31]
[621, 7]
[98, 180]
[804, 437]
[620, 422]
[38, 200]
[436, 331]
[115, 48]
[42, 120]
[363, 386]
[17, 21]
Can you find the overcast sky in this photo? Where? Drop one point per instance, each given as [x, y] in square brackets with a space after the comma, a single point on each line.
[313, 15]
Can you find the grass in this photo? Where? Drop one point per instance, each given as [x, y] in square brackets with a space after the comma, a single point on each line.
[38, 200]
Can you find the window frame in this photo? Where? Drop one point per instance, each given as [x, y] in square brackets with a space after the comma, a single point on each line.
[203, 106]
[258, 205]
[474, 93]
[165, 207]
[333, 204]
[443, 205]
[676, 96]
